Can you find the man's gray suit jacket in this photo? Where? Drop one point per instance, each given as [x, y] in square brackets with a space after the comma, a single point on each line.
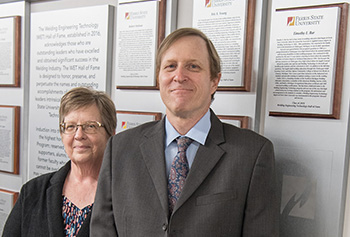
[229, 191]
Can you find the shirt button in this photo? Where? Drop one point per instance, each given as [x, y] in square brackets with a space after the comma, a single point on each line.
[164, 227]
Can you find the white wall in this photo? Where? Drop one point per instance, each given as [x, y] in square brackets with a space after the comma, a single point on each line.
[316, 148]
[16, 96]
[225, 103]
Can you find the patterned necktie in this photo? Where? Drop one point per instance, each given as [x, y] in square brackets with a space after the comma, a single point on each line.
[178, 172]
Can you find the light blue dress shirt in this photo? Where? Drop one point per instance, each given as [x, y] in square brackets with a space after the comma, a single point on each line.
[198, 134]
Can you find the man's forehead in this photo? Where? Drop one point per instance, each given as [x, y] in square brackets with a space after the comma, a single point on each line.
[177, 49]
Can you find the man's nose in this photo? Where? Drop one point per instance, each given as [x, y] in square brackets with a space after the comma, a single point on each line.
[180, 75]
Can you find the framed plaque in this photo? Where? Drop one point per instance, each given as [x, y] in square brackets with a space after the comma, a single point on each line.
[10, 51]
[230, 26]
[238, 121]
[7, 201]
[129, 119]
[307, 61]
[140, 30]
[9, 139]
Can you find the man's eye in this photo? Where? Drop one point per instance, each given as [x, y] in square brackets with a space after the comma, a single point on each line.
[170, 66]
[193, 67]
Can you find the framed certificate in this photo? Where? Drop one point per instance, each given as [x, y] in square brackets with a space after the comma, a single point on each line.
[9, 137]
[230, 26]
[141, 28]
[130, 119]
[8, 199]
[307, 61]
[10, 51]
[239, 121]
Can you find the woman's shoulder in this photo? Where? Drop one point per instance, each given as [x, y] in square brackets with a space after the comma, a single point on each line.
[45, 180]
[38, 183]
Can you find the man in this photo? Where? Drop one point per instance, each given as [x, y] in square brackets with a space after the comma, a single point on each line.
[229, 189]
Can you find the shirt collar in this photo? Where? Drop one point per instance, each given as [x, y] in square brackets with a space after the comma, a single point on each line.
[198, 132]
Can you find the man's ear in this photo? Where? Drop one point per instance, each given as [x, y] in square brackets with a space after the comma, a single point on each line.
[215, 82]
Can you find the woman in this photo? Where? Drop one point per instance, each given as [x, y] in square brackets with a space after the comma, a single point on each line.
[60, 203]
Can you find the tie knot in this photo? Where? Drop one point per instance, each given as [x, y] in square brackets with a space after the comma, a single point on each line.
[183, 143]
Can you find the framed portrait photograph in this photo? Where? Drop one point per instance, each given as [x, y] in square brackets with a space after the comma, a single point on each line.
[10, 51]
[130, 119]
[9, 137]
[238, 121]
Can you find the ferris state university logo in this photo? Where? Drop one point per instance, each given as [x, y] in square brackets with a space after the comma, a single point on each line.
[218, 3]
[305, 20]
[207, 3]
[291, 21]
[124, 125]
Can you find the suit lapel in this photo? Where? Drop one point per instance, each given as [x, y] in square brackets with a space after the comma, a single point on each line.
[152, 150]
[54, 202]
[206, 158]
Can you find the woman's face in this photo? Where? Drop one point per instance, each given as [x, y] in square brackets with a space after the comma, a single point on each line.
[83, 148]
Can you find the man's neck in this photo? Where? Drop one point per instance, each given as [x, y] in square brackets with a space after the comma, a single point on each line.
[184, 124]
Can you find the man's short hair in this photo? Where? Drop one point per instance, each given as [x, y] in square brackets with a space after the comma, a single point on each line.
[214, 59]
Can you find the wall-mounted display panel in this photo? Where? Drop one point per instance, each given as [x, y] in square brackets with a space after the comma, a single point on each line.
[140, 29]
[307, 61]
[130, 119]
[10, 51]
[230, 26]
[69, 48]
[9, 138]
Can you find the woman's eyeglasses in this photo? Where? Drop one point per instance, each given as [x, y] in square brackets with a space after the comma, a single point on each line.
[90, 127]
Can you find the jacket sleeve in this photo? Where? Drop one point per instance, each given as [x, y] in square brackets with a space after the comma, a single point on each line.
[102, 219]
[262, 207]
[13, 223]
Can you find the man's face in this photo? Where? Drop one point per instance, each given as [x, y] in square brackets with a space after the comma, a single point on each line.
[184, 78]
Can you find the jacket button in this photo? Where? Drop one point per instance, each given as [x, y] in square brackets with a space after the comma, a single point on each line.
[164, 227]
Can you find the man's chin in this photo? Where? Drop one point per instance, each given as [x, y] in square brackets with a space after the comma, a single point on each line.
[179, 112]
